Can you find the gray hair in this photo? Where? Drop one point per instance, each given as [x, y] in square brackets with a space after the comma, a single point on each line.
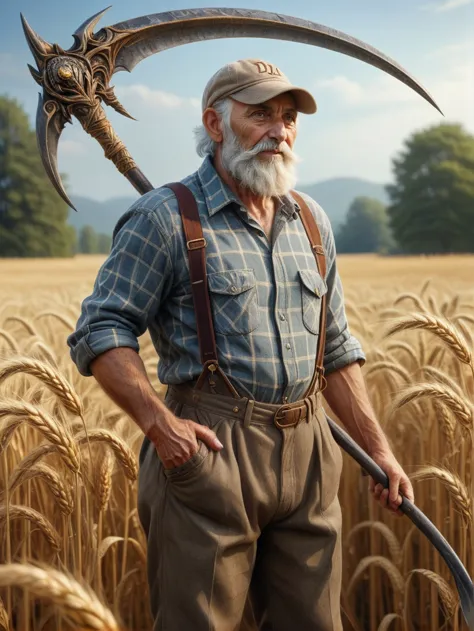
[204, 143]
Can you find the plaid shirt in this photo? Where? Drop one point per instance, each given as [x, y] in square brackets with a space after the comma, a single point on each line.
[265, 295]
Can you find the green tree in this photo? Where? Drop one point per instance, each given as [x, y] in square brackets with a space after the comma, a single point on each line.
[33, 218]
[431, 206]
[88, 240]
[365, 229]
[104, 243]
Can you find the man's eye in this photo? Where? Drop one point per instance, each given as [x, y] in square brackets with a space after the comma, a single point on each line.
[260, 114]
[291, 118]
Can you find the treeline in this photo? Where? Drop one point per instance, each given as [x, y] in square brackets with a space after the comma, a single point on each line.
[430, 209]
[88, 241]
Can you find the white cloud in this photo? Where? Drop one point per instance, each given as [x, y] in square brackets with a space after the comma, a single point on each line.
[154, 98]
[447, 5]
[384, 89]
[448, 50]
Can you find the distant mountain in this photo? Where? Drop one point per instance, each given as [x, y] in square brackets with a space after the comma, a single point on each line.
[102, 216]
[334, 195]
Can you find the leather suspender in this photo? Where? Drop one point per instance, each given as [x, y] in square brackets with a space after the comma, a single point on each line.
[196, 245]
[314, 237]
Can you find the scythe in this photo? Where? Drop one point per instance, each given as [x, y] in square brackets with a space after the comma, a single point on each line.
[76, 81]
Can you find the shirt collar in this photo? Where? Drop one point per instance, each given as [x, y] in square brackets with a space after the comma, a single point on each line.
[218, 195]
[216, 192]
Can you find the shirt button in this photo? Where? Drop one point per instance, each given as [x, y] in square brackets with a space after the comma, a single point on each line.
[233, 289]
[288, 346]
[285, 399]
[282, 317]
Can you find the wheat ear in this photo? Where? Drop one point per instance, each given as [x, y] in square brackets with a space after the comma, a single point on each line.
[122, 451]
[31, 330]
[448, 599]
[47, 375]
[77, 602]
[62, 496]
[42, 421]
[454, 485]
[461, 408]
[24, 512]
[68, 323]
[4, 620]
[439, 327]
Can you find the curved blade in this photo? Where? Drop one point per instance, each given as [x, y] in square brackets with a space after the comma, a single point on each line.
[150, 34]
[49, 126]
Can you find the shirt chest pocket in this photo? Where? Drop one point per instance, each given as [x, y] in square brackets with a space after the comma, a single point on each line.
[234, 301]
[313, 288]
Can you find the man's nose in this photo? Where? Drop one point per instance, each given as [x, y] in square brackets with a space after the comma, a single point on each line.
[278, 131]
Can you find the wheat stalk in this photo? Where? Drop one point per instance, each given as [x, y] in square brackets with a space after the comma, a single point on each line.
[122, 451]
[390, 568]
[410, 296]
[39, 520]
[31, 330]
[387, 621]
[454, 485]
[43, 422]
[388, 534]
[78, 604]
[47, 375]
[439, 327]
[54, 314]
[9, 339]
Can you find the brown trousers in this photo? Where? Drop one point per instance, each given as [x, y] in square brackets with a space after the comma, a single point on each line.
[252, 531]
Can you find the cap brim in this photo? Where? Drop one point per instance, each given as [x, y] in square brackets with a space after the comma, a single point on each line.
[266, 90]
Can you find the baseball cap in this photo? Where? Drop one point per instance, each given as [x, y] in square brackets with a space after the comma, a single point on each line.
[253, 81]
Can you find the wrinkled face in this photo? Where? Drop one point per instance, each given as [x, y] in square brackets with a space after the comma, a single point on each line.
[274, 120]
[257, 146]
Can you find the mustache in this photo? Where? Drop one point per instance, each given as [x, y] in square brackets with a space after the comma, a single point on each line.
[271, 145]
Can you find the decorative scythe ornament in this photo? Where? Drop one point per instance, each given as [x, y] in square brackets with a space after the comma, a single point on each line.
[75, 82]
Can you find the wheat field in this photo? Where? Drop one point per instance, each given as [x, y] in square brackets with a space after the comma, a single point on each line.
[72, 553]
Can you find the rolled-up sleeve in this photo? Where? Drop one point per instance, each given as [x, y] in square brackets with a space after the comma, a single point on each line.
[127, 293]
[341, 348]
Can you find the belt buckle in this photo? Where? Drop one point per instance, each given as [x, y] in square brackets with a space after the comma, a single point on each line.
[282, 409]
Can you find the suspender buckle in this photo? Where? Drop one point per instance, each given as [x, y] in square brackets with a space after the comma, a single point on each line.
[196, 244]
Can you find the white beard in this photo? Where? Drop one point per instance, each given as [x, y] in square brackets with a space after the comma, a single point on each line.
[271, 177]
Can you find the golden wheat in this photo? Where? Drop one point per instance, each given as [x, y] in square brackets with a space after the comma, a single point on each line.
[24, 512]
[60, 492]
[449, 600]
[439, 327]
[48, 375]
[456, 488]
[44, 423]
[122, 451]
[78, 604]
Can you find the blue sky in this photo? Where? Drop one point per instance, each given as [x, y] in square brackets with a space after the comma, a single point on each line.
[363, 118]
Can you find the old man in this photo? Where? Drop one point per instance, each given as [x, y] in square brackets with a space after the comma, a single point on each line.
[239, 472]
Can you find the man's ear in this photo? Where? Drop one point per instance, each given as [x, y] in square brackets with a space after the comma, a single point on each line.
[213, 124]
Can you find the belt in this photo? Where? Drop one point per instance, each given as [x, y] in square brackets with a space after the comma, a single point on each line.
[247, 410]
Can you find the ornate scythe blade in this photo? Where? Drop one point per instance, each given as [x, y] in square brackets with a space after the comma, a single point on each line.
[49, 125]
[78, 79]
